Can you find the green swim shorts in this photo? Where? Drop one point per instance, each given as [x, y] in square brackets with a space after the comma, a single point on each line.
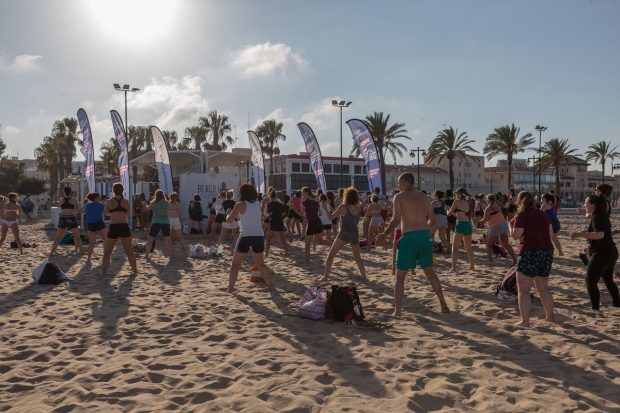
[464, 228]
[414, 247]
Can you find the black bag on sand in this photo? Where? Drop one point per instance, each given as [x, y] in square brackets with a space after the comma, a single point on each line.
[52, 274]
[343, 304]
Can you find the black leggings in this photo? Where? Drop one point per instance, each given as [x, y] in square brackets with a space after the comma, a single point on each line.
[602, 265]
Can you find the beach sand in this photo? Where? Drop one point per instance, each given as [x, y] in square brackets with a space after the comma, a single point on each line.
[172, 339]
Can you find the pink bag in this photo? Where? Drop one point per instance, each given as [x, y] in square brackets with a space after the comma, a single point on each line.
[312, 303]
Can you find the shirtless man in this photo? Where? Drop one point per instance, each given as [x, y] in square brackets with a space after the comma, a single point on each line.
[413, 211]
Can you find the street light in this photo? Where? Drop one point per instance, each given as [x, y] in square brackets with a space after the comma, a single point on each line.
[126, 88]
[416, 152]
[540, 130]
[341, 104]
[533, 159]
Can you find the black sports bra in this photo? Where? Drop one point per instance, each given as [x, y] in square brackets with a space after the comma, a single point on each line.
[118, 208]
[460, 210]
[67, 204]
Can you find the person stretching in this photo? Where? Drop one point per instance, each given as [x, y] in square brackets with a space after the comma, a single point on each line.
[348, 214]
[463, 229]
[532, 228]
[498, 228]
[603, 251]
[94, 221]
[412, 209]
[12, 211]
[117, 209]
[251, 236]
[549, 208]
[160, 222]
[69, 210]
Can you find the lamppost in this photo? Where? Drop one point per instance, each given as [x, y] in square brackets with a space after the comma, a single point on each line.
[341, 104]
[126, 88]
[533, 159]
[540, 130]
[416, 152]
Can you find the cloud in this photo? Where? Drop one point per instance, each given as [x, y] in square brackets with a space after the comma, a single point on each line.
[21, 63]
[277, 114]
[323, 116]
[266, 59]
[11, 130]
[169, 102]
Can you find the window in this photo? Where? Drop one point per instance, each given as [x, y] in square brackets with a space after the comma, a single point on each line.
[327, 168]
[278, 182]
[298, 181]
[283, 167]
[361, 183]
[333, 182]
[305, 167]
[296, 167]
[357, 169]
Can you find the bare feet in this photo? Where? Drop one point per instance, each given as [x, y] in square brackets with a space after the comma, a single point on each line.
[444, 309]
[396, 314]
[454, 270]
[522, 324]
[231, 290]
[323, 279]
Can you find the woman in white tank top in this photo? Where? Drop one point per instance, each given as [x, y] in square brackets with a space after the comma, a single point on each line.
[251, 236]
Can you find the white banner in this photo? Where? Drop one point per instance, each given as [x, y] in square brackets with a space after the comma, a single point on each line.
[207, 185]
[258, 163]
[162, 160]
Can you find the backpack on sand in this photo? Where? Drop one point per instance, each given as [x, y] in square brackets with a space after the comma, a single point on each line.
[507, 288]
[343, 304]
[49, 273]
[313, 303]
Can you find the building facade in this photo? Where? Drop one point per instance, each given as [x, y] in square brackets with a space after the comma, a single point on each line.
[468, 171]
[293, 172]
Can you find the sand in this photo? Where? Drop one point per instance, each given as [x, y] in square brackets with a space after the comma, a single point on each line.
[172, 339]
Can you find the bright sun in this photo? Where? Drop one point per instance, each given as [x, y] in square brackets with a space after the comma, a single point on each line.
[134, 21]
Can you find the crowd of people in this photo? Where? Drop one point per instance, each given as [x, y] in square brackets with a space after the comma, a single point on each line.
[410, 221]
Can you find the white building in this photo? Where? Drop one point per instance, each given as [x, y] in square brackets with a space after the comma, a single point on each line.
[468, 171]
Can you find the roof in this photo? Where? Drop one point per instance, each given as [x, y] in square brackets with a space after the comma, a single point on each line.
[325, 158]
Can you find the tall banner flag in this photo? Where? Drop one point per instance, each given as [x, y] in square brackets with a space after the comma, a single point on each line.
[312, 147]
[123, 158]
[162, 160]
[87, 149]
[258, 162]
[368, 149]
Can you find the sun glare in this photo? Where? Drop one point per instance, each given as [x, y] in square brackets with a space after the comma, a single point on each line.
[134, 21]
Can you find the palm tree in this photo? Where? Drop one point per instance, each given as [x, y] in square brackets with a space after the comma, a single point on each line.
[65, 131]
[196, 135]
[449, 144]
[269, 133]
[554, 153]
[386, 137]
[505, 141]
[602, 152]
[109, 154]
[218, 127]
[2, 147]
[50, 158]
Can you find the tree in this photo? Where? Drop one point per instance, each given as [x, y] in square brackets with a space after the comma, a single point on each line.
[386, 137]
[217, 127]
[196, 135]
[50, 158]
[449, 144]
[109, 155]
[505, 141]
[13, 179]
[602, 152]
[2, 147]
[554, 153]
[65, 132]
[269, 133]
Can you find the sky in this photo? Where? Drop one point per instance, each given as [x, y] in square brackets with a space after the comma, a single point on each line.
[474, 65]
